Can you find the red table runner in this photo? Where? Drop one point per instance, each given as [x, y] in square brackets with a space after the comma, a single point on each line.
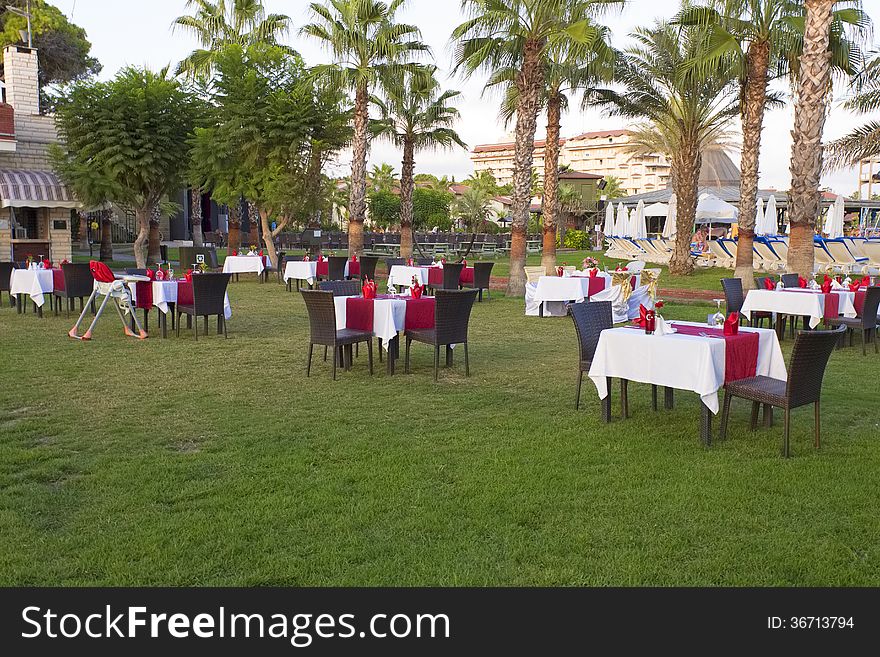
[741, 355]
[597, 284]
[859, 302]
[58, 279]
[144, 294]
[184, 293]
[354, 269]
[359, 313]
[435, 276]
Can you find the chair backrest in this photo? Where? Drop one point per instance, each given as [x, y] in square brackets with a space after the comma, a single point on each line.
[341, 288]
[790, 280]
[482, 274]
[452, 276]
[869, 312]
[368, 266]
[292, 259]
[533, 274]
[336, 267]
[809, 357]
[733, 294]
[394, 262]
[839, 252]
[131, 271]
[452, 315]
[424, 262]
[590, 319]
[322, 316]
[6, 275]
[760, 281]
[78, 279]
[209, 293]
[187, 256]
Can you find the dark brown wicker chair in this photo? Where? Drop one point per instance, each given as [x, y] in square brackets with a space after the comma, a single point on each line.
[368, 267]
[132, 271]
[809, 357]
[341, 288]
[394, 262]
[5, 280]
[424, 262]
[78, 284]
[451, 319]
[482, 276]
[590, 319]
[866, 324]
[734, 298]
[322, 320]
[452, 276]
[209, 295]
[336, 268]
[791, 280]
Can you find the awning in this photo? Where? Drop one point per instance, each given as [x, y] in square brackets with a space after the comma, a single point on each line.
[25, 188]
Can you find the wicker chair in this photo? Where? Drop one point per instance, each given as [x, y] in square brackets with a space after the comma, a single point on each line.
[322, 320]
[5, 280]
[791, 280]
[424, 262]
[590, 319]
[132, 271]
[78, 284]
[482, 276]
[809, 357]
[394, 262]
[866, 324]
[451, 319]
[341, 288]
[336, 268]
[368, 267]
[452, 276]
[734, 298]
[209, 295]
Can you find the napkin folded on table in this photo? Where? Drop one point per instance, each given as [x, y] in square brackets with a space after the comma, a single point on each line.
[769, 284]
[188, 275]
[836, 285]
[731, 324]
[661, 327]
[802, 282]
[593, 272]
[151, 274]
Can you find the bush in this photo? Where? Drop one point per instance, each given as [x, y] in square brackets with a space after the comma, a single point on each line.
[579, 240]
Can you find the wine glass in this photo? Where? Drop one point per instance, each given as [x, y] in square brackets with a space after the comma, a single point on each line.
[718, 318]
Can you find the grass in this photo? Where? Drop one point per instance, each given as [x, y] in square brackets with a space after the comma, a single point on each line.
[171, 462]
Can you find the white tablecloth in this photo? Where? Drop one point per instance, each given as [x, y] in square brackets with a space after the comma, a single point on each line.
[244, 265]
[807, 303]
[34, 282]
[303, 271]
[389, 317]
[165, 292]
[401, 276]
[685, 362]
[568, 288]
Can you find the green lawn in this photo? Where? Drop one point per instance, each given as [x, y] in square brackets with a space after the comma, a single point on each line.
[219, 463]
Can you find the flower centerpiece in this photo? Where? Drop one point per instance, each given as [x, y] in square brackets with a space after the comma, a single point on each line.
[590, 265]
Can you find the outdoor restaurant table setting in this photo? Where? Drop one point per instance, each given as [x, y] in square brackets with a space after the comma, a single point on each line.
[689, 356]
[826, 301]
[245, 263]
[402, 275]
[164, 294]
[35, 282]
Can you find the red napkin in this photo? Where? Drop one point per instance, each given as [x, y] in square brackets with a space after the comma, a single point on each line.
[826, 286]
[47, 264]
[464, 262]
[731, 324]
[593, 273]
[65, 262]
[151, 274]
[234, 252]
[416, 291]
[261, 253]
[854, 286]
[369, 289]
[802, 281]
[866, 281]
[560, 271]
[643, 317]
[306, 258]
[769, 284]
[160, 275]
[354, 258]
[410, 262]
[188, 275]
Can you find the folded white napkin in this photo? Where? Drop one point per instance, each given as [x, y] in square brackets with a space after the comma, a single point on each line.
[835, 285]
[780, 286]
[661, 327]
[813, 285]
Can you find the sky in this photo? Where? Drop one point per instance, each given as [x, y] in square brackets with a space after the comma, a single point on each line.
[133, 32]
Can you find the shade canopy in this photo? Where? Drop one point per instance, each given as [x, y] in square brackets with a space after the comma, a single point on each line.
[657, 210]
[24, 188]
[711, 209]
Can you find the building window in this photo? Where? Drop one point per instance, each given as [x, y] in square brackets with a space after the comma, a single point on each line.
[26, 223]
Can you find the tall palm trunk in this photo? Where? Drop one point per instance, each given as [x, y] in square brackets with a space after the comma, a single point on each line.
[106, 223]
[551, 181]
[195, 217]
[529, 81]
[758, 59]
[253, 224]
[810, 108]
[234, 241]
[154, 253]
[143, 215]
[406, 199]
[358, 200]
[687, 164]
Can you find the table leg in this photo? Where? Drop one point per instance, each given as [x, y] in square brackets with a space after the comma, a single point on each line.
[606, 403]
[163, 322]
[668, 398]
[705, 425]
[393, 354]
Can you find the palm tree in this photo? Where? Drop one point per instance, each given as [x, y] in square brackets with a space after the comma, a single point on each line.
[685, 109]
[472, 208]
[415, 116]
[763, 38]
[366, 45]
[382, 178]
[613, 188]
[216, 25]
[863, 142]
[516, 35]
[484, 180]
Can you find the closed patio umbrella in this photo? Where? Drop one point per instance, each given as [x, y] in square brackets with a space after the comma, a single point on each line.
[622, 218]
[608, 228]
[771, 224]
[837, 212]
[759, 218]
[669, 228]
[640, 230]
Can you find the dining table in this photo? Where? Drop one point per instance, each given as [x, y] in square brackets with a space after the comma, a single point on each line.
[34, 283]
[695, 357]
[165, 295]
[805, 302]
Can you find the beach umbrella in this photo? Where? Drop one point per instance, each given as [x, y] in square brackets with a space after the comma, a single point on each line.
[669, 228]
[620, 224]
[771, 224]
[759, 218]
[608, 228]
[837, 212]
[640, 229]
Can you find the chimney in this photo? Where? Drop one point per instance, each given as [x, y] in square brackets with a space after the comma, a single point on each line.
[20, 68]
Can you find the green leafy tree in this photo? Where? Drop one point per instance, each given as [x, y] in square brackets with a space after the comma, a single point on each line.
[415, 116]
[382, 178]
[126, 141]
[365, 44]
[613, 188]
[384, 208]
[473, 208]
[430, 206]
[258, 143]
[484, 181]
[862, 142]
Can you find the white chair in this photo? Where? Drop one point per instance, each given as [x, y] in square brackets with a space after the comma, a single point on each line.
[843, 259]
[719, 255]
[765, 258]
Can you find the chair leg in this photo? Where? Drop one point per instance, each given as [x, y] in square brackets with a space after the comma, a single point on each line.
[577, 395]
[448, 355]
[225, 334]
[380, 350]
[606, 403]
[654, 398]
[864, 342]
[725, 417]
[335, 361]
[874, 340]
[309, 361]
[195, 327]
[178, 325]
[753, 423]
[816, 438]
[370, 354]
[624, 398]
[668, 398]
[467, 363]
[768, 416]
[325, 354]
[786, 451]
[436, 362]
